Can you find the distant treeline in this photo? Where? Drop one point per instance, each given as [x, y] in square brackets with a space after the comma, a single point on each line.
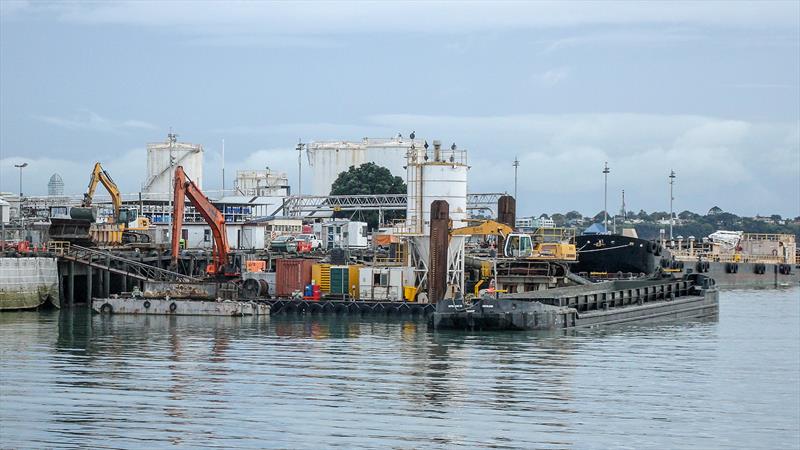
[690, 224]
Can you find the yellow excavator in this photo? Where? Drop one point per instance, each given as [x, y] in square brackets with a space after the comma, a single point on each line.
[549, 246]
[81, 228]
[130, 223]
[544, 244]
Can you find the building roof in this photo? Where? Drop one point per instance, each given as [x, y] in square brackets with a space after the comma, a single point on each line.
[596, 228]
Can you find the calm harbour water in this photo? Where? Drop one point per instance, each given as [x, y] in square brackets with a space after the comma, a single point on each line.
[72, 379]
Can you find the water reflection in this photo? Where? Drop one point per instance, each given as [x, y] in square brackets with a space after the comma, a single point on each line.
[77, 379]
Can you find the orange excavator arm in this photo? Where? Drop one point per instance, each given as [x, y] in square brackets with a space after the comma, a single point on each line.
[184, 187]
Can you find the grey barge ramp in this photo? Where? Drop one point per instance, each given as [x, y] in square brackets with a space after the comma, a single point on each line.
[606, 303]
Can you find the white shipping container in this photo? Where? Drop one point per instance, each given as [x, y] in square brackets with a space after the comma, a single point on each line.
[344, 234]
[384, 283]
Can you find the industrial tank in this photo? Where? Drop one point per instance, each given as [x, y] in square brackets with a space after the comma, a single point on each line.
[435, 174]
[328, 159]
[164, 157]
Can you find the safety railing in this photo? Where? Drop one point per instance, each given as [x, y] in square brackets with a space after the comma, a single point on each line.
[125, 266]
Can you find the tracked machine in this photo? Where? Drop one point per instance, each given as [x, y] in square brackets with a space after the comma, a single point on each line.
[223, 265]
[518, 262]
[124, 227]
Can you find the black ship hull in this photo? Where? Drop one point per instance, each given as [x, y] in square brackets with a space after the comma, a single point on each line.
[614, 253]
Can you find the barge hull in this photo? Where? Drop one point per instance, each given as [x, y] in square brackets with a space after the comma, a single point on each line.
[607, 303]
[178, 307]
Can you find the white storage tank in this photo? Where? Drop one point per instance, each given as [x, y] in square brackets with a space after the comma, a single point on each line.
[328, 159]
[164, 157]
[436, 174]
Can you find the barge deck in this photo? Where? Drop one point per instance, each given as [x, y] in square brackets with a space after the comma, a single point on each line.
[607, 303]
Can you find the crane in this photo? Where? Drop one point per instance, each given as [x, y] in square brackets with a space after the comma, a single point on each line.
[184, 187]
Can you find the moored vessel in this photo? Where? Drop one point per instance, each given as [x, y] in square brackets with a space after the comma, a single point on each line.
[598, 304]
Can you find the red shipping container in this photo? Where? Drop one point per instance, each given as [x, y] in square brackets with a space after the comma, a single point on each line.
[292, 275]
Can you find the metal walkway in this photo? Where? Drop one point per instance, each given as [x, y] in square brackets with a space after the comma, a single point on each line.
[308, 205]
[106, 260]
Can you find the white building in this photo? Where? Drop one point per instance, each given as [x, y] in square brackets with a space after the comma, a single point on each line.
[244, 236]
[534, 222]
[344, 234]
[328, 159]
[5, 211]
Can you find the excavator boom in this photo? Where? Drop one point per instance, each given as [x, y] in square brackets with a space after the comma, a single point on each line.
[184, 187]
[99, 175]
[485, 228]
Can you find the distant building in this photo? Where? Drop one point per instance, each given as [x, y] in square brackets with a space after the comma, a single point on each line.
[534, 222]
[764, 219]
[55, 187]
[261, 183]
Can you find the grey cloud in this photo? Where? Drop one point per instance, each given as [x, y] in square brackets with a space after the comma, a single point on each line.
[746, 166]
[88, 120]
[426, 17]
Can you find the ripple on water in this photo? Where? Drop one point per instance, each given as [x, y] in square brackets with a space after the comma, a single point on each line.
[130, 382]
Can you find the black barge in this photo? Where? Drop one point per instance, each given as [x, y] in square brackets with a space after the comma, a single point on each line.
[606, 303]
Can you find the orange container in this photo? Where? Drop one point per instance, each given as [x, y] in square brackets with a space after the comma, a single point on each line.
[292, 275]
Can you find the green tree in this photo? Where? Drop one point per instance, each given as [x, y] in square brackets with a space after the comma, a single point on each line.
[572, 215]
[368, 178]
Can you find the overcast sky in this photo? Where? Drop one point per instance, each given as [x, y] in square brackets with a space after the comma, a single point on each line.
[711, 90]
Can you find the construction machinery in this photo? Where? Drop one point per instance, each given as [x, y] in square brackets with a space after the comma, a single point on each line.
[222, 264]
[131, 224]
[124, 227]
[526, 261]
[543, 244]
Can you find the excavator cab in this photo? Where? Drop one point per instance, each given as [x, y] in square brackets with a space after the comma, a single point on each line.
[518, 245]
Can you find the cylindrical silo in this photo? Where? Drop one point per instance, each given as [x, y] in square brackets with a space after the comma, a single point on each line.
[435, 174]
[328, 159]
[164, 157]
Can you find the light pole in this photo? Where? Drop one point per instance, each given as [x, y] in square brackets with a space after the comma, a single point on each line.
[671, 198]
[20, 167]
[299, 148]
[606, 170]
[516, 166]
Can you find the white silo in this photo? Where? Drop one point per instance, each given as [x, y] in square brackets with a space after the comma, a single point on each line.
[164, 157]
[435, 174]
[327, 159]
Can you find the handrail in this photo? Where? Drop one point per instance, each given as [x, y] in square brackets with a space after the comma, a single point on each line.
[140, 270]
